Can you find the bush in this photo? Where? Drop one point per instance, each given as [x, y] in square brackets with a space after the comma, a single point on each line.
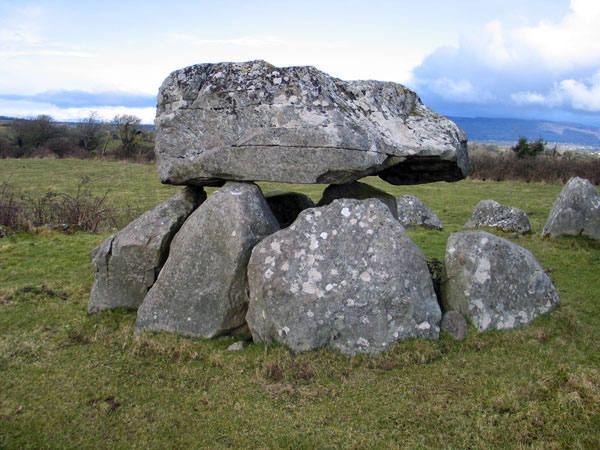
[556, 170]
[82, 211]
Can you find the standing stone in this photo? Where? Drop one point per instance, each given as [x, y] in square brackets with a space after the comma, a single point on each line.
[576, 211]
[287, 205]
[256, 122]
[490, 213]
[202, 289]
[346, 276]
[359, 191]
[412, 211]
[494, 282]
[127, 263]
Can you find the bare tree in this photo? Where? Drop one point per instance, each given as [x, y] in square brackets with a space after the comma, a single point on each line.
[128, 131]
[89, 131]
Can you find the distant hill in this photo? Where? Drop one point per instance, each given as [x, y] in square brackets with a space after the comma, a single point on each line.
[510, 130]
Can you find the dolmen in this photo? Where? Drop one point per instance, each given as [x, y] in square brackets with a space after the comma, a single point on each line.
[343, 274]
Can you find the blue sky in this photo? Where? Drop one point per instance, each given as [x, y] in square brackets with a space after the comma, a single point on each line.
[510, 58]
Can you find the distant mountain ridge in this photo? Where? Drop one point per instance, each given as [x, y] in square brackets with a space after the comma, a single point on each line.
[510, 130]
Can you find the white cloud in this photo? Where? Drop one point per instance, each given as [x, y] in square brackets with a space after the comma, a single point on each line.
[550, 65]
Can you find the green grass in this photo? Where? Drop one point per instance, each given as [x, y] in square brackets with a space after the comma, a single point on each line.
[68, 379]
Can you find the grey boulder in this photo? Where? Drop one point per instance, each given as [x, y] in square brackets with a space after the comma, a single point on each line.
[345, 276]
[490, 213]
[455, 325]
[202, 289]
[359, 191]
[494, 282]
[287, 205]
[256, 122]
[576, 211]
[127, 263]
[412, 211]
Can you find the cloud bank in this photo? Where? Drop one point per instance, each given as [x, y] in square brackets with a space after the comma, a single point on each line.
[550, 70]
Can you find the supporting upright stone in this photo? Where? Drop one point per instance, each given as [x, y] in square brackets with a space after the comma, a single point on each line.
[359, 191]
[346, 276]
[202, 289]
[127, 263]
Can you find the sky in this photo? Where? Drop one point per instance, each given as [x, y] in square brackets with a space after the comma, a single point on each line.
[532, 59]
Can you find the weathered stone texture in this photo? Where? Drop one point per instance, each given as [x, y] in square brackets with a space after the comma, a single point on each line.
[346, 276]
[455, 325]
[576, 211]
[202, 289]
[412, 211]
[256, 122]
[490, 213]
[494, 282]
[127, 263]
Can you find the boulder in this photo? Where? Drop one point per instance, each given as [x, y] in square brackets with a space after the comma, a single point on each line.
[346, 276]
[127, 263]
[494, 282]
[359, 191]
[202, 288]
[490, 213]
[576, 211]
[287, 205]
[455, 325]
[412, 211]
[256, 122]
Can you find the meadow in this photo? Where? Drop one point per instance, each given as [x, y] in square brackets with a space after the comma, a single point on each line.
[72, 380]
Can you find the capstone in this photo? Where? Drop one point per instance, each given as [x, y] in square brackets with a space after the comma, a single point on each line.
[253, 121]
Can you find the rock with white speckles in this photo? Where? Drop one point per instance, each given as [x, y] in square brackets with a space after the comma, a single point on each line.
[127, 263]
[490, 213]
[256, 122]
[202, 289]
[576, 211]
[494, 282]
[412, 211]
[345, 276]
[359, 191]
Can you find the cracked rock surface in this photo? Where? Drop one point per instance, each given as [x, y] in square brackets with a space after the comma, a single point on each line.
[253, 121]
[127, 263]
[346, 276]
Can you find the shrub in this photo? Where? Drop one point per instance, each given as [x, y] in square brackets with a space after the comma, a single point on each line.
[82, 211]
[525, 149]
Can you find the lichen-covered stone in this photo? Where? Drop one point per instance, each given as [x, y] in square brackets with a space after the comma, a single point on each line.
[202, 288]
[359, 191]
[345, 275]
[412, 211]
[490, 213]
[287, 205]
[256, 122]
[576, 211]
[127, 263]
[494, 282]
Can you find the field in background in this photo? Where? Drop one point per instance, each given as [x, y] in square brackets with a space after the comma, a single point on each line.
[68, 379]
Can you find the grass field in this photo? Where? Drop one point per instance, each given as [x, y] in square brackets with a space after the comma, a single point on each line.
[70, 380]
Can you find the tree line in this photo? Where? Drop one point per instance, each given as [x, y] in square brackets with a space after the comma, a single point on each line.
[42, 136]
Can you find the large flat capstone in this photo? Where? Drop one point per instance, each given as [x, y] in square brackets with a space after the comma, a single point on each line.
[255, 122]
